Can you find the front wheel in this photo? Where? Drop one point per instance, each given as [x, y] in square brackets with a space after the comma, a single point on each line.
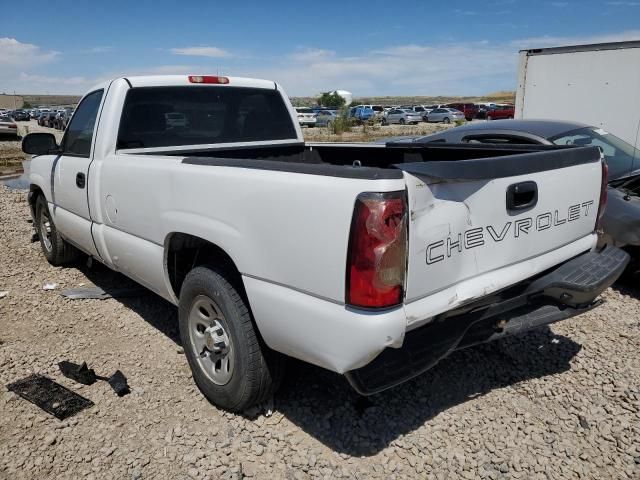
[384, 122]
[229, 362]
[56, 250]
[402, 121]
[446, 120]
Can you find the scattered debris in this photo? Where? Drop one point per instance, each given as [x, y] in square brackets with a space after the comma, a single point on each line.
[80, 373]
[119, 383]
[4, 293]
[97, 293]
[87, 376]
[50, 396]
[49, 286]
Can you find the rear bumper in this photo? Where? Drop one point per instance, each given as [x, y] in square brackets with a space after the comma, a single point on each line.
[566, 291]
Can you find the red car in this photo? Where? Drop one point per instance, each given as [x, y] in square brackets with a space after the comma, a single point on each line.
[469, 109]
[499, 112]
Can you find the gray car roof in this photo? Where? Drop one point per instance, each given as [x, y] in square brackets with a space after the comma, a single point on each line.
[541, 128]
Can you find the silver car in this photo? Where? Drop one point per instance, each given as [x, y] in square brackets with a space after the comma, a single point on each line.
[324, 118]
[8, 126]
[401, 116]
[446, 115]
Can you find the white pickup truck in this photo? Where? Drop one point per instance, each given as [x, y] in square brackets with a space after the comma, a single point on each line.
[371, 260]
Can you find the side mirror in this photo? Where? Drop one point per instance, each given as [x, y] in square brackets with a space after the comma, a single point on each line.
[39, 144]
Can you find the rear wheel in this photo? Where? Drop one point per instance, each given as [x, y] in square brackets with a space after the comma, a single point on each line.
[229, 362]
[402, 121]
[56, 250]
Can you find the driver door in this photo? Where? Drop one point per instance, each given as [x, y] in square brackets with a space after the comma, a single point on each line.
[70, 176]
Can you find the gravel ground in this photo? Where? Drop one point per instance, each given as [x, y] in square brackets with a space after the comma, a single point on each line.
[551, 404]
[371, 133]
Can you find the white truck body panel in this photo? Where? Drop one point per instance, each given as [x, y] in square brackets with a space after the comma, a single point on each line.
[288, 232]
[594, 84]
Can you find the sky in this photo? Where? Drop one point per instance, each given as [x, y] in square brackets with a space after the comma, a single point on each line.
[371, 48]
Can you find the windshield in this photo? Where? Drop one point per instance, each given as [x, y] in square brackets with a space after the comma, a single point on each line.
[621, 157]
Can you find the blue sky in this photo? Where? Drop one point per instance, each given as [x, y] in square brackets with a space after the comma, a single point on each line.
[368, 47]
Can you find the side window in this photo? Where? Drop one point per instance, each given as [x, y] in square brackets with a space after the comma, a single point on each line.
[77, 139]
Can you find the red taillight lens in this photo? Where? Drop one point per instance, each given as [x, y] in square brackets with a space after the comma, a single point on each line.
[208, 79]
[603, 193]
[377, 256]
[13, 126]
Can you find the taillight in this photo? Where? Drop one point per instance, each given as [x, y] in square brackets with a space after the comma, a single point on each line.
[603, 193]
[13, 126]
[377, 255]
[208, 79]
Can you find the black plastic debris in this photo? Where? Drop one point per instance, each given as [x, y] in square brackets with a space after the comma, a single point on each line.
[87, 376]
[80, 373]
[50, 396]
[119, 383]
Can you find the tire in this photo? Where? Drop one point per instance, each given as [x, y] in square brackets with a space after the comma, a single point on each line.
[384, 122]
[56, 250]
[329, 125]
[402, 121]
[446, 120]
[213, 313]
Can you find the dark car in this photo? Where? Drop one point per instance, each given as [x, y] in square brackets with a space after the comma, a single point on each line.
[20, 115]
[48, 119]
[621, 221]
[470, 110]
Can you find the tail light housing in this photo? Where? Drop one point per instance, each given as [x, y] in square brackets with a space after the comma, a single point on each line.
[603, 194]
[377, 254]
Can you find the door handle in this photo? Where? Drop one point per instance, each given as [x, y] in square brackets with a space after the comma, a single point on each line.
[522, 196]
[80, 180]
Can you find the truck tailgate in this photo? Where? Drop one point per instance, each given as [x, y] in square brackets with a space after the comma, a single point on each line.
[470, 217]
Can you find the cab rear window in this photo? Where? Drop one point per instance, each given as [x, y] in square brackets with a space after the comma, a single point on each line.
[196, 115]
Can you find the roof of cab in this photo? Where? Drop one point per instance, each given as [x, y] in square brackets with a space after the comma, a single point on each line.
[183, 80]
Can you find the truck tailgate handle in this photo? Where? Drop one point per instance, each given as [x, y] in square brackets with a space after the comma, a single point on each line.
[80, 180]
[522, 196]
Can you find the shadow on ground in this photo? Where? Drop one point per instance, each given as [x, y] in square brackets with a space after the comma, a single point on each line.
[324, 405]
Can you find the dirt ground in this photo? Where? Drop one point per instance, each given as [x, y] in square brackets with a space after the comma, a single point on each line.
[555, 403]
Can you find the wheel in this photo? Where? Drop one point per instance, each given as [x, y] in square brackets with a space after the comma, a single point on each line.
[384, 122]
[402, 121]
[329, 125]
[229, 362]
[489, 117]
[56, 250]
[446, 120]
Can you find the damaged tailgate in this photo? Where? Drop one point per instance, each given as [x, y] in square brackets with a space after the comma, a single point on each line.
[473, 216]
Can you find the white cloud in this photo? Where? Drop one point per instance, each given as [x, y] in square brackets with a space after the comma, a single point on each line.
[212, 52]
[17, 54]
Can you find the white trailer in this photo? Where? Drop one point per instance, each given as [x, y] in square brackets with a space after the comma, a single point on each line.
[596, 84]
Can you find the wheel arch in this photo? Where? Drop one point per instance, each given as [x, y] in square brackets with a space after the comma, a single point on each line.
[183, 252]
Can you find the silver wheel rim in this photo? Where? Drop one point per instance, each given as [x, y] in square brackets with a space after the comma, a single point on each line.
[45, 230]
[210, 341]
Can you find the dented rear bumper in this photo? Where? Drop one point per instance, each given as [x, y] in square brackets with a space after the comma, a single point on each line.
[558, 294]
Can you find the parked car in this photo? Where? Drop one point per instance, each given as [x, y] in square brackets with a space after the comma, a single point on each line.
[445, 115]
[498, 112]
[306, 117]
[20, 115]
[361, 114]
[372, 261]
[621, 221]
[325, 118]
[401, 116]
[470, 110]
[8, 126]
[421, 110]
[61, 119]
[48, 119]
